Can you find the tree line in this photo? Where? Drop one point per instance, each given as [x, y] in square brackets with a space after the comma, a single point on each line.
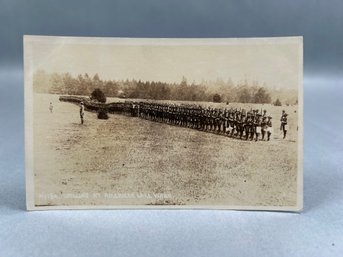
[216, 91]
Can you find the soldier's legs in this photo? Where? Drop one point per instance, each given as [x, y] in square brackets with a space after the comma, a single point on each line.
[284, 131]
[252, 132]
[241, 132]
[237, 130]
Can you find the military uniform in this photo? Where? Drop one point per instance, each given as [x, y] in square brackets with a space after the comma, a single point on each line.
[82, 111]
[284, 125]
[269, 127]
[258, 126]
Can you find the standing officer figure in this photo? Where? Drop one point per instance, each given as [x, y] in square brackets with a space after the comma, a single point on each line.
[283, 113]
[82, 111]
[284, 124]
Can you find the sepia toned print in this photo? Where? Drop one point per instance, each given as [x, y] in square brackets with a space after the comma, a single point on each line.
[163, 123]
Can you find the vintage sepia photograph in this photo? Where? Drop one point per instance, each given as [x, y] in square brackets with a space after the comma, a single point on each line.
[164, 123]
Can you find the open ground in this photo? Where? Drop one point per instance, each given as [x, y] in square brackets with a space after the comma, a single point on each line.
[129, 160]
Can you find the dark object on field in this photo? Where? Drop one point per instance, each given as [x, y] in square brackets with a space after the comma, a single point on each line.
[277, 102]
[216, 98]
[102, 114]
[98, 95]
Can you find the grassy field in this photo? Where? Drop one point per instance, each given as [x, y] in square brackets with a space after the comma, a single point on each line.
[128, 160]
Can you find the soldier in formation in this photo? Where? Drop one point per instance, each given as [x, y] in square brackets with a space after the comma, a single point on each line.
[284, 124]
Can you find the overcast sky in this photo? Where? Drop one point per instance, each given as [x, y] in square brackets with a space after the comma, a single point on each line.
[276, 62]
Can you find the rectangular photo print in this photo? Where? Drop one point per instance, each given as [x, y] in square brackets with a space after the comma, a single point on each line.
[118, 123]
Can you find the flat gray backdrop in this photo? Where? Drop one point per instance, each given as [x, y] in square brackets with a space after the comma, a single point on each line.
[318, 231]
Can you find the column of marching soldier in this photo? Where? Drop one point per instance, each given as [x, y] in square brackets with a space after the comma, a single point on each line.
[241, 124]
